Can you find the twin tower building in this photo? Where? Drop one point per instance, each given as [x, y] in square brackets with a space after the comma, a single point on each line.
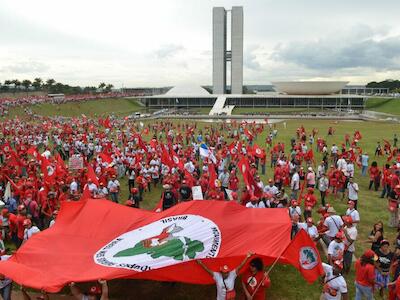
[222, 53]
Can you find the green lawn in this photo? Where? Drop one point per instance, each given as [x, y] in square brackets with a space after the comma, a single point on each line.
[384, 105]
[116, 106]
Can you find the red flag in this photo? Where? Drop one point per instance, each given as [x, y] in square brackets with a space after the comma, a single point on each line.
[248, 179]
[249, 134]
[257, 151]
[105, 157]
[191, 181]
[49, 171]
[177, 162]
[92, 175]
[113, 241]
[165, 158]
[304, 256]
[107, 122]
[212, 180]
[140, 142]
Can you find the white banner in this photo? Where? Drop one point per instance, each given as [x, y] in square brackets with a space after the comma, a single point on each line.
[197, 193]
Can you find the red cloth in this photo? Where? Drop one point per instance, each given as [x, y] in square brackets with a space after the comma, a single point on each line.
[365, 275]
[92, 228]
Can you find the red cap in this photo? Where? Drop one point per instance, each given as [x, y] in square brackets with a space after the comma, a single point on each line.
[339, 235]
[21, 207]
[310, 189]
[225, 269]
[294, 202]
[370, 254]
[27, 222]
[95, 290]
[4, 211]
[253, 198]
[134, 190]
[338, 264]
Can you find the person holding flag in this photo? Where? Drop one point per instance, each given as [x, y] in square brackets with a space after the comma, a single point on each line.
[255, 280]
[225, 278]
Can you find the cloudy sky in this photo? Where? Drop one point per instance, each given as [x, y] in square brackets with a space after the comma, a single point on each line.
[168, 42]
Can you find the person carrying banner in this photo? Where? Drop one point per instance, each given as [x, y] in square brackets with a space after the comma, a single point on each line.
[96, 292]
[225, 279]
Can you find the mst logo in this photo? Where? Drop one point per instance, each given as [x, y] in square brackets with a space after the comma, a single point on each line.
[162, 243]
[308, 258]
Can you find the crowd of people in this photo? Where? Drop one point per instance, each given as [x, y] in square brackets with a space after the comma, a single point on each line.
[8, 102]
[50, 160]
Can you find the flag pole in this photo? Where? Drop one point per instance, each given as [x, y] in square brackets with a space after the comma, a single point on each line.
[269, 270]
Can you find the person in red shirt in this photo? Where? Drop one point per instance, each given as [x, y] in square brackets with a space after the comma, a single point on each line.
[255, 280]
[374, 176]
[245, 196]
[21, 216]
[365, 275]
[233, 181]
[309, 202]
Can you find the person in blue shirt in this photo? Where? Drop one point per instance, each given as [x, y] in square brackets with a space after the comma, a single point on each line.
[11, 204]
[364, 163]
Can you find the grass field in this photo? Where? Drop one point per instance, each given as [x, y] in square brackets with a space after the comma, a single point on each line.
[287, 282]
[384, 105]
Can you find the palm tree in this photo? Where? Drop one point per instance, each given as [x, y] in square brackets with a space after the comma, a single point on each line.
[50, 82]
[102, 85]
[16, 83]
[109, 87]
[37, 83]
[26, 84]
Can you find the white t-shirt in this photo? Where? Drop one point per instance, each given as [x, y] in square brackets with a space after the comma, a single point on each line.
[338, 283]
[295, 183]
[353, 190]
[28, 232]
[312, 230]
[257, 205]
[229, 283]
[352, 232]
[334, 223]
[336, 250]
[353, 213]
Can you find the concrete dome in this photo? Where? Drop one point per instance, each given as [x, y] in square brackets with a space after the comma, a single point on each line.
[309, 87]
[187, 91]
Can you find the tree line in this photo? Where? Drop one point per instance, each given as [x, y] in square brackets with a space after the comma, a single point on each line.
[392, 85]
[50, 86]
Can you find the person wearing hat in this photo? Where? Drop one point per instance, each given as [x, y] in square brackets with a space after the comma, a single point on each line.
[96, 292]
[336, 248]
[114, 188]
[382, 274]
[271, 188]
[185, 192]
[225, 278]
[365, 275]
[53, 220]
[350, 233]
[323, 186]
[102, 191]
[353, 213]
[309, 202]
[335, 286]
[295, 184]
[255, 203]
[168, 197]
[310, 228]
[30, 230]
[294, 208]
[333, 224]
[310, 177]
[134, 197]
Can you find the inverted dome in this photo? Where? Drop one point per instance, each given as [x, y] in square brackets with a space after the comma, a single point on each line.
[309, 87]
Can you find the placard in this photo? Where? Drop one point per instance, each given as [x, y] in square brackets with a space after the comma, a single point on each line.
[75, 162]
[197, 193]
